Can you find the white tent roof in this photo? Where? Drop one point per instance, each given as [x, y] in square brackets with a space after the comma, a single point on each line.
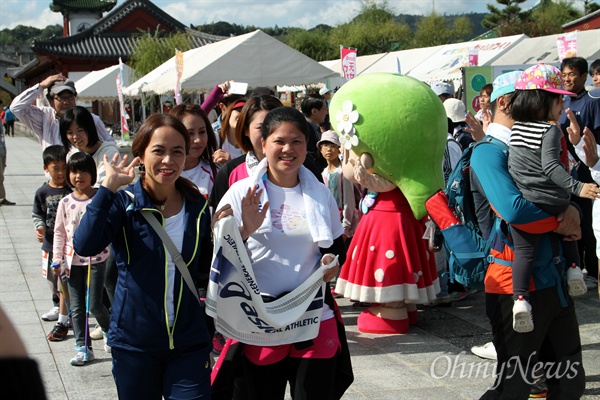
[445, 64]
[408, 59]
[254, 58]
[102, 84]
[544, 49]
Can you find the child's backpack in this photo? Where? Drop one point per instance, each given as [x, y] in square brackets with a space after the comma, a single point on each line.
[453, 211]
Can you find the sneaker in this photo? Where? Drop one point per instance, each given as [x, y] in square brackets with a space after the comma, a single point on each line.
[577, 286]
[82, 357]
[457, 296]
[51, 315]
[58, 333]
[522, 316]
[486, 351]
[5, 202]
[96, 334]
[106, 346]
[218, 343]
[539, 389]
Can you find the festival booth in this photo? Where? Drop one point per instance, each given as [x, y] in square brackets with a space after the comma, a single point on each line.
[400, 61]
[254, 58]
[98, 91]
[446, 63]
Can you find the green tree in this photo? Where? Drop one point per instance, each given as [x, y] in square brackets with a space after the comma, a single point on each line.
[153, 49]
[506, 21]
[314, 44]
[549, 18]
[434, 30]
[590, 6]
[373, 31]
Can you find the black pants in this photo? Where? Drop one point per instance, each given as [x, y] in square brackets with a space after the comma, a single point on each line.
[587, 243]
[554, 341]
[526, 247]
[310, 378]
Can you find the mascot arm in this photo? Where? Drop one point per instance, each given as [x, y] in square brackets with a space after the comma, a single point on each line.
[371, 181]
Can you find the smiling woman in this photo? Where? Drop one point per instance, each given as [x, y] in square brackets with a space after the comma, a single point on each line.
[158, 331]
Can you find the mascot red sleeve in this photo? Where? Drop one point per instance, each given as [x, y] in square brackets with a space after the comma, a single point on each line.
[393, 134]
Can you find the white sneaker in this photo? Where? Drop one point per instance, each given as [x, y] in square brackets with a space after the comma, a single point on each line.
[96, 334]
[522, 316]
[82, 357]
[486, 351]
[106, 346]
[51, 315]
[577, 286]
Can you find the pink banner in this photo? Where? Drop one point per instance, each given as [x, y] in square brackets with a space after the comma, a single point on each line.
[567, 45]
[124, 127]
[348, 62]
[179, 64]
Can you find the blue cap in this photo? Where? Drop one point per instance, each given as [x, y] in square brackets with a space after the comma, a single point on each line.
[504, 84]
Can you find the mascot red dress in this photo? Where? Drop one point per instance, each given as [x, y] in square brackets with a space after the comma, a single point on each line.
[393, 133]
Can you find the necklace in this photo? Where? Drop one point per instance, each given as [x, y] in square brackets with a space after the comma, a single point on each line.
[162, 206]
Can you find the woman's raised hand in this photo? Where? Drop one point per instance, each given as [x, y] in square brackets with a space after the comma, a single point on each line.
[118, 173]
[253, 213]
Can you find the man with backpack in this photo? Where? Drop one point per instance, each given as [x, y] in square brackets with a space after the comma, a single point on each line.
[519, 354]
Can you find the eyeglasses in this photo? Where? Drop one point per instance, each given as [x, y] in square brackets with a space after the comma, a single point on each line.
[65, 99]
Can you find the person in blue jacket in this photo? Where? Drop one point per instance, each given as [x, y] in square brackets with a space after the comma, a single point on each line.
[158, 332]
[555, 341]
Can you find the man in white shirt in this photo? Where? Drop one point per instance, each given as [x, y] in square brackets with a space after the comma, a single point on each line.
[44, 121]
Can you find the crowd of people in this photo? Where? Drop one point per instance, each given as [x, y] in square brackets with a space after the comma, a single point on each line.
[130, 240]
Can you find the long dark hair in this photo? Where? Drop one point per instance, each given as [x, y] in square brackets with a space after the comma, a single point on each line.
[531, 105]
[253, 105]
[180, 111]
[84, 119]
[142, 140]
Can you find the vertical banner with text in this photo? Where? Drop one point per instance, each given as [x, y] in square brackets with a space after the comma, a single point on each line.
[567, 45]
[179, 64]
[348, 62]
[124, 126]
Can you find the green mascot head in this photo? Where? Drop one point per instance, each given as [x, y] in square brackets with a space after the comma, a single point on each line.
[402, 124]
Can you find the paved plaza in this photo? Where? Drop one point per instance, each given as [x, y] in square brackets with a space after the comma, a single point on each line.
[431, 362]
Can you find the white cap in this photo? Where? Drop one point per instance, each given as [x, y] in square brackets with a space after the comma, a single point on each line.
[455, 110]
[440, 88]
[324, 91]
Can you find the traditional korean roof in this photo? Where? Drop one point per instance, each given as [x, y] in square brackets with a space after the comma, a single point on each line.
[101, 41]
[63, 6]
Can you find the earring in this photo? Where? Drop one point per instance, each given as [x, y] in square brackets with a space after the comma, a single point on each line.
[141, 168]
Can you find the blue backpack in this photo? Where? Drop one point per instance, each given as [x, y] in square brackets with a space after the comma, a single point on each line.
[453, 211]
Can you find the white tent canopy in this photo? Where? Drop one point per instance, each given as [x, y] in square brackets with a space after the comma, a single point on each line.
[254, 58]
[445, 64]
[102, 84]
[544, 49]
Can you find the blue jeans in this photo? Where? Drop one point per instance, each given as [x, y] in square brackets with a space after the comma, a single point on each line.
[78, 291]
[181, 373]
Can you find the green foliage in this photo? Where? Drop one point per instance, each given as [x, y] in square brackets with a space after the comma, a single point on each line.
[506, 21]
[434, 30]
[153, 49]
[550, 18]
[314, 43]
[26, 34]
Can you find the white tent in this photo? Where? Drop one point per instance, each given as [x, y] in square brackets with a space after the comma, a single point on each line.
[254, 58]
[544, 49]
[445, 64]
[405, 59]
[102, 84]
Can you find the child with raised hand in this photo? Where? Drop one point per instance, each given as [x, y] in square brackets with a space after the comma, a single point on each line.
[341, 188]
[82, 176]
[534, 165]
[45, 205]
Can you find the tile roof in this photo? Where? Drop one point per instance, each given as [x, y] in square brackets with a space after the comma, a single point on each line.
[78, 5]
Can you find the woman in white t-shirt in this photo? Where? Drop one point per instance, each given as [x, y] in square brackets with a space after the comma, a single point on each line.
[281, 241]
[228, 146]
[199, 165]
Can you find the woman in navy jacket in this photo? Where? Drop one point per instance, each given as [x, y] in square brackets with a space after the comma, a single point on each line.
[158, 334]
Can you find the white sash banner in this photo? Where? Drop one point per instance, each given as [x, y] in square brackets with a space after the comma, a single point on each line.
[235, 302]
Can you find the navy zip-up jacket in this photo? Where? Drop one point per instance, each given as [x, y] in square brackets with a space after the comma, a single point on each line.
[138, 319]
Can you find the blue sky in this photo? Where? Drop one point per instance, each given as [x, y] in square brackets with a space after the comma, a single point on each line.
[263, 13]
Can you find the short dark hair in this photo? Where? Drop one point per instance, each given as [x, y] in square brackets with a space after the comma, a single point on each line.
[595, 67]
[281, 115]
[252, 106]
[578, 63]
[84, 119]
[310, 102]
[489, 88]
[82, 161]
[54, 153]
[531, 105]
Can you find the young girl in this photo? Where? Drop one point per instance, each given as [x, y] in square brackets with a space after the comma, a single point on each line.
[82, 176]
[199, 165]
[228, 146]
[534, 165]
[78, 133]
[341, 188]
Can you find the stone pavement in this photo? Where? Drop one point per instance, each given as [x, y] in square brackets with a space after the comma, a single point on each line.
[431, 362]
